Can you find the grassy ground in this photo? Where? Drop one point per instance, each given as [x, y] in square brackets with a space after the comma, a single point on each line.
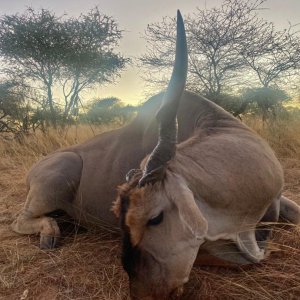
[87, 265]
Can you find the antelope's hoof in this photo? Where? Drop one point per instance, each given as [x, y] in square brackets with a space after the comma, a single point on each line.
[48, 242]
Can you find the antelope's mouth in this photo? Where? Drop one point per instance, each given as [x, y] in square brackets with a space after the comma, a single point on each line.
[176, 293]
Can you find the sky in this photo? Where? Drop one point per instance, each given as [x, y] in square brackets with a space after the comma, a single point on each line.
[133, 16]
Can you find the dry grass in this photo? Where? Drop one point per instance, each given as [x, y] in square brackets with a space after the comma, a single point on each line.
[87, 266]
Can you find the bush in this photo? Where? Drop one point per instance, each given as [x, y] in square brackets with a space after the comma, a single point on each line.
[108, 110]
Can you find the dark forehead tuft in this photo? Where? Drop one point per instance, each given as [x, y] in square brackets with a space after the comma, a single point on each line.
[126, 188]
[124, 192]
[121, 204]
[124, 204]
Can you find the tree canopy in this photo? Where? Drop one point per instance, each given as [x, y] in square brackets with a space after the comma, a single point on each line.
[70, 54]
[230, 48]
[109, 110]
[236, 58]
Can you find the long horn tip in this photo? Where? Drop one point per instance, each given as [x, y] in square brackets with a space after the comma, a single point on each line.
[179, 14]
[180, 25]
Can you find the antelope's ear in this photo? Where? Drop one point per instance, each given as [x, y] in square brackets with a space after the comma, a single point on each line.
[132, 173]
[184, 200]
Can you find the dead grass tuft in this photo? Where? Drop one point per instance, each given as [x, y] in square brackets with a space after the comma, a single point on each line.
[87, 266]
[283, 134]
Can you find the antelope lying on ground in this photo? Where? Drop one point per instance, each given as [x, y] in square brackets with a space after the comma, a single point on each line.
[208, 194]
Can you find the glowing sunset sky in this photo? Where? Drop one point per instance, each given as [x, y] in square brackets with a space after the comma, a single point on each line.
[133, 17]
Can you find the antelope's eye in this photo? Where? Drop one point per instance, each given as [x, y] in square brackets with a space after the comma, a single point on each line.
[156, 220]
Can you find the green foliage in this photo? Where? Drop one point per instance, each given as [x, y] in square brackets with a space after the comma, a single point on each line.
[90, 47]
[265, 101]
[229, 102]
[230, 47]
[70, 54]
[13, 109]
[109, 110]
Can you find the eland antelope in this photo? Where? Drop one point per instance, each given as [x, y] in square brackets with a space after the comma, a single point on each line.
[209, 193]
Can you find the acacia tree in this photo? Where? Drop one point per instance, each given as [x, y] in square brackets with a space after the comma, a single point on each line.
[265, 101]
[215, 40]
[90, 57]
[31, 46]
[272, 54]
[225, 43]
[67, 53]
[108, 110]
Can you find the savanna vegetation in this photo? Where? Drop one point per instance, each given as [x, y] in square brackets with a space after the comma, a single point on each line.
[87, 265]
[237, 59]
[48, 63]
